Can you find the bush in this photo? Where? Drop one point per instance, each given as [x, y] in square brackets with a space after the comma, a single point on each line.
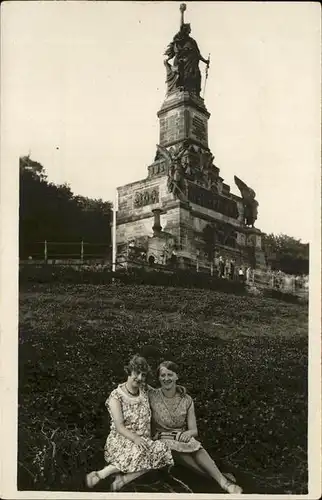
[48, 273]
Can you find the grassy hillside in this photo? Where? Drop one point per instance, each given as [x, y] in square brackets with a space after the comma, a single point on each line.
[243, 360]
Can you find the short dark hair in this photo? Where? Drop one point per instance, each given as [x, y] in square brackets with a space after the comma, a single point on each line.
[170, 365]
[137, 364]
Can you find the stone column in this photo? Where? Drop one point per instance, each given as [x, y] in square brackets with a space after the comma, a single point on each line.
[157, 224]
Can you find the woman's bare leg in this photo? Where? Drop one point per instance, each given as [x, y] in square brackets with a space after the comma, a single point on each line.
[122, 479]
[188, 460]
[205, 461]
[94, 477]
[107, 471]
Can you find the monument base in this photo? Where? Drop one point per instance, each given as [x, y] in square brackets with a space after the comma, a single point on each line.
[189, 231]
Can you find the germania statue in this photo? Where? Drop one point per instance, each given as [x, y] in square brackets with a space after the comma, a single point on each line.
[184, 73]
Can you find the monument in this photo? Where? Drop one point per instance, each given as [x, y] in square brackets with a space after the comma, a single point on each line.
[183, 211]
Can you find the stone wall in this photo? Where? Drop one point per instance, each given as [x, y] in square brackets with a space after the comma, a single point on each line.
[135, 218]
[179, 124]
[143, 227]
[183, 116]
[139, 198]
[172, 127]
[207, 214]
[134, 230]
[128, 198]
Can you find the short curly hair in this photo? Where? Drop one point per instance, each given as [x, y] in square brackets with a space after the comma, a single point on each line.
[137, 364]
[170, 365]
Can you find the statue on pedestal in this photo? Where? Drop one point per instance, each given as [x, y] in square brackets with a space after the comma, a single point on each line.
[184, 74]
[249, 202]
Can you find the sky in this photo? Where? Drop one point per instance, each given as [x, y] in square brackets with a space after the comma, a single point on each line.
[82, 83]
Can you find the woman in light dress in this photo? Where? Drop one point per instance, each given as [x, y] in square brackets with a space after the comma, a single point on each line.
[129, 450]
[174, 421]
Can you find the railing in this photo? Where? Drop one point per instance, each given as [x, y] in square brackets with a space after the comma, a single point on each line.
[84, 260]
[67, 251]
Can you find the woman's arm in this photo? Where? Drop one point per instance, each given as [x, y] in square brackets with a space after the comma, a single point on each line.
[191, 421]
[192, 430]
[117, 415]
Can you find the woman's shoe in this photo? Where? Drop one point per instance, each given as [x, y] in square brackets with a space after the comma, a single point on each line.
[231, 478]
[231, 488]
[92, 479]
[117, 483]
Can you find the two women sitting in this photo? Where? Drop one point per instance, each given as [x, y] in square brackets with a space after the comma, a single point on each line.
[152, 429]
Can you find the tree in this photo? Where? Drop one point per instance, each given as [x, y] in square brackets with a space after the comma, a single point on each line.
[35, 169]
[52, 212]
[286, 253]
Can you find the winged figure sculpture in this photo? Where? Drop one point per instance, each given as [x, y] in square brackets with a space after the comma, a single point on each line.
[250, 204]
[175, 170]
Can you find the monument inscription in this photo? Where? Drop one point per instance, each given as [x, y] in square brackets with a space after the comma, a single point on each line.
[199, 130]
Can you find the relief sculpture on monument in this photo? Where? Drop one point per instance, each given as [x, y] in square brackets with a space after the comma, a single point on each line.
[146, 197]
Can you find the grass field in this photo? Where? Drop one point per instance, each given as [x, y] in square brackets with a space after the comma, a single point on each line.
[243, 359]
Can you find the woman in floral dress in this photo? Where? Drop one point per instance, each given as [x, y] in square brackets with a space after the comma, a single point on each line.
[174, 421]
[129, 449]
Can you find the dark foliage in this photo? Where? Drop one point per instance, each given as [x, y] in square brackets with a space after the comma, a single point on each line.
[53, 213]
[277, 294]
[46, 273]
[286, 253]
[243, 360]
